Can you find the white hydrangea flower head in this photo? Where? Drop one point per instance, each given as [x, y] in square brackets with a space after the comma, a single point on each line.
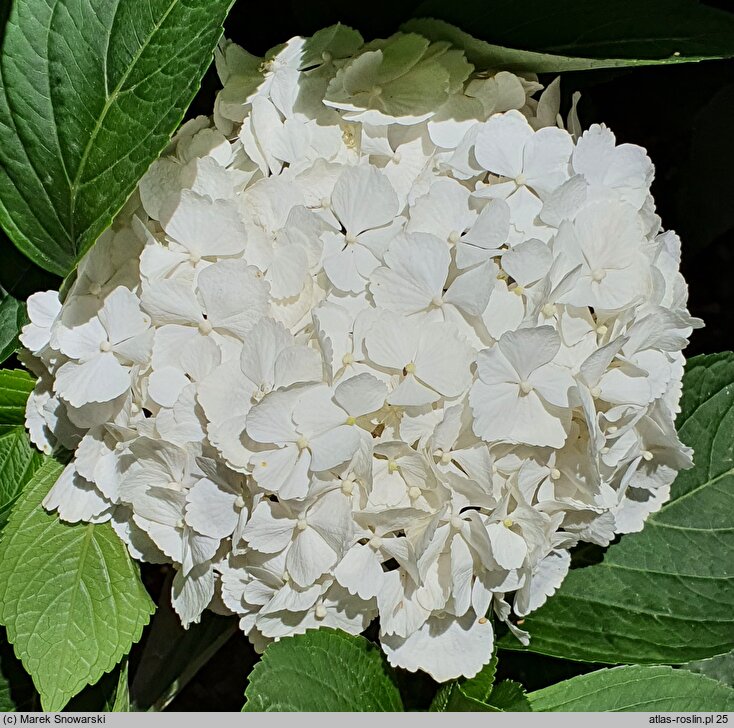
[379, 339]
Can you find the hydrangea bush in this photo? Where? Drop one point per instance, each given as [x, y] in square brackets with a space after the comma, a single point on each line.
[383, 337]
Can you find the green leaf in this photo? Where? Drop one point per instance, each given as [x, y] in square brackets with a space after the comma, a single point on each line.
[323, 670]
[720, 667]
[90, 94]
[102, 696]
[119, 700]
[451, 699]
[15, 386]
[509, 696]
[18, 459]
[480, 694]
[70, 596]
[567, 35]
[492, 56]
[121, 703]
[635, 688]
[18, 463]
[442, 698]
[480, 686]
[467, 695]
[12, 319]
[666, 594]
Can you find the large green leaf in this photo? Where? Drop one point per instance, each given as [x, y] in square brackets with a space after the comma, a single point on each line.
[323, 670]
[18, 459]
[635, 688]
[15, 386]
[12, 318]
[566, 35]
[18, 463]
[665, 595]
[720, 667]
[486, 55]
[90, 93]
[70, 596]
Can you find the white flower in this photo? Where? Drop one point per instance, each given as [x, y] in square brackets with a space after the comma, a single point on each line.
[365, 205]
[231, 299]
[360, 571]
[43, 310]
[379, 339]
[76, 499]
[443, 646]
[404, 80]
[156, 486]
[270, 360]
[431, 360]
[520, 395]
[606, 240]
[625, 169]
[485, 237]
[280, 75]
[415, 279]
[508, 146]
[444, 211]
[314, 534]
[545, 580]
[112, 262]
[203, 228]
[312, 434]
[335, 608]
[102, 351]
[212, 508]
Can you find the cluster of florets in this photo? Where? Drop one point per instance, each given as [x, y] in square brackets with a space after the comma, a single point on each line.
[382, 338]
